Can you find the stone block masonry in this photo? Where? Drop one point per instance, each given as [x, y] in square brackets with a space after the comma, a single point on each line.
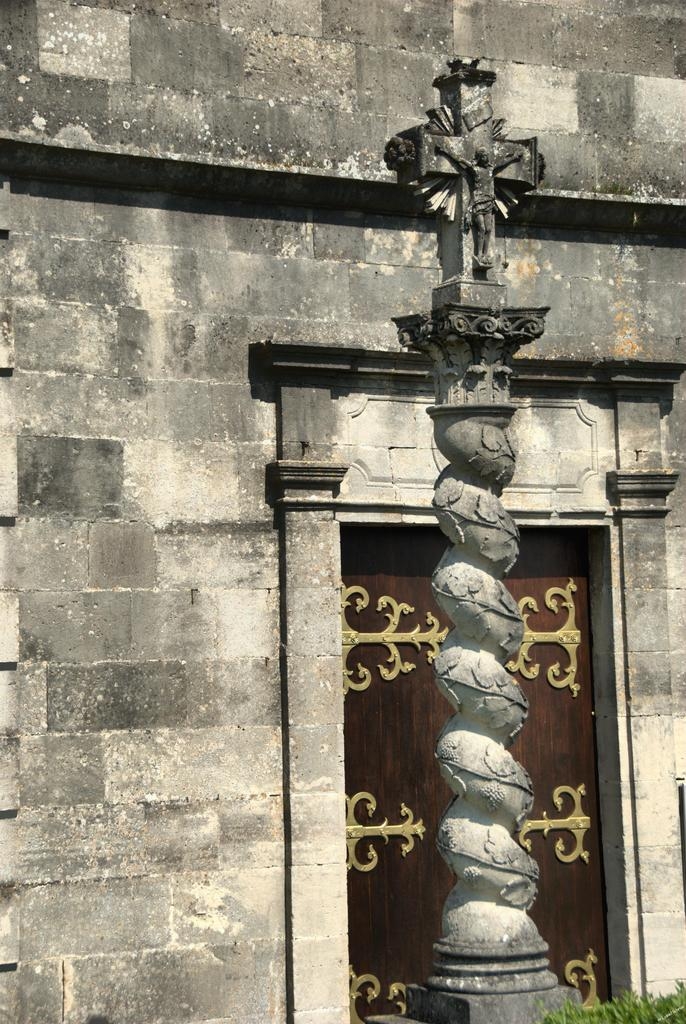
[319, 84]
[140, 734]
[143, 747]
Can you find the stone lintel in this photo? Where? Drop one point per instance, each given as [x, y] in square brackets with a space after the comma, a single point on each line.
[313, 484]
[641, 493]
[405, 369]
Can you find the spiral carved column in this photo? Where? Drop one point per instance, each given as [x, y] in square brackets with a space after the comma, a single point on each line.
[490, 964]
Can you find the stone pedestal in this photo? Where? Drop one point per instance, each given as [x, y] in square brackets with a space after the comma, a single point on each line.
[428, 1006]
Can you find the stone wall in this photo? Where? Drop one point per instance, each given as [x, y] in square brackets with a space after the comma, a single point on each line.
[142, 749]
[321, 84]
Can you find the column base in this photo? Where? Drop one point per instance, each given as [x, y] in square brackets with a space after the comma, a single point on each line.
[427, 1006]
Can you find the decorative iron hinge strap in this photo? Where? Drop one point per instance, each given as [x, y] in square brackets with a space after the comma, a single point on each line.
[577, 823]
[389, 638]
[567, 636]
[585, 967]
[396, 993]
[354, 832]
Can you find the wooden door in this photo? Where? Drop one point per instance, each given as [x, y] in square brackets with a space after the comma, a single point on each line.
[397, 882]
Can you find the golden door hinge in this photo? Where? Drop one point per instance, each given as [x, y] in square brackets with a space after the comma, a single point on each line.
[388, 638]
[396, 993]
[587, 975]
[354, 832]
[577, 823]
[567, 636]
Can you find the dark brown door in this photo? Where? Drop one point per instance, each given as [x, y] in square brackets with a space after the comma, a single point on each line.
[397, 881]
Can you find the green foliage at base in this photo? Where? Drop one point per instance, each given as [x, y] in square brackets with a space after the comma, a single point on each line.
[627, 1009]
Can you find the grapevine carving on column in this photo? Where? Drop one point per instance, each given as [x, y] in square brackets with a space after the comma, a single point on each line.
[490, 964]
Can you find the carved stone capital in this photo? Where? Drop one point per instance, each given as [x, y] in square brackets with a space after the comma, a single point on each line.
[472, 348]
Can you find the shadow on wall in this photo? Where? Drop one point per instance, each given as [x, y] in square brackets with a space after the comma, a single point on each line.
[97, 1019]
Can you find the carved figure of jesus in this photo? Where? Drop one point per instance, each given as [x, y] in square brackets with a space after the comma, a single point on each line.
[481, 210]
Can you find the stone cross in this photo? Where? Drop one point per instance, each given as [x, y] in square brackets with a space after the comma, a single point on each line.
[458, 159]
[490, 962]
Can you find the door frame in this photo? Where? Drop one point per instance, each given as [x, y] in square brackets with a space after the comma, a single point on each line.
[315, 387]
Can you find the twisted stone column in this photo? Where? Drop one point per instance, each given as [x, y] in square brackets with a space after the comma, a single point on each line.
[490, 964]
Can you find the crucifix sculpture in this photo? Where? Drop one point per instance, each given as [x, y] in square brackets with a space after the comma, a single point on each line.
[457, 159]
[490, 964]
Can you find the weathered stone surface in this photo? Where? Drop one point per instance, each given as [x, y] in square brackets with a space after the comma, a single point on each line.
[535, 99]
[83, 42]
[46, 337]
[339, 236]
[627, 43]
[392, 83]
[184, 55]
[373, 288]
[95, 917]
[43, 554]
[9, 703]
[57, 770]
[185, 10]
[309, 747]
[232, 556]
[262, 285]
[299, 17]
[400, 241]
[659, 108]
[158, 344]
[31, 684]
[238, 413]
[518, 32]
[165, 120]
[251, 831]
[239, 904]
[121, 555]
[163, 694]
[9, 773]
[48, 208]
[117, 695]
[32, 993]
[59, 404]
[70, 270]
[69, 476]
[299, 69]
[177, 986]
[242, 691]
[75, 627]
[169, 482]
[200, 764]
[9, 630]
[173, 625]
[18, 23]
[420, 25]
[133, 312]
[606, 103]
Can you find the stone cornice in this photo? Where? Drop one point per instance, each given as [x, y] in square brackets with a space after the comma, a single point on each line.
[304, 483]
[327, 365]
[641, 493]
[309, 187]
